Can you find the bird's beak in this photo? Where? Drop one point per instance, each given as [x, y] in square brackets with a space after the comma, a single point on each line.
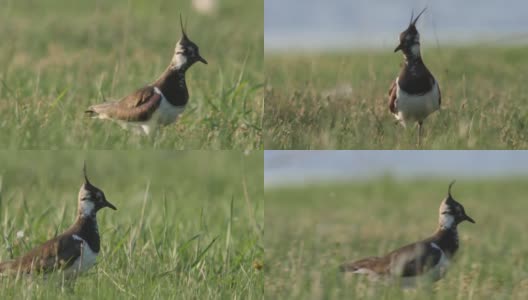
[468, 218]
[398, 48]
[108, 204]
[202, 59]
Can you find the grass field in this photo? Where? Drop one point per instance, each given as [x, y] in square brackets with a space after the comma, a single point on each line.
[340, 100]
[58, 57]
[184, 229]
[311, 230]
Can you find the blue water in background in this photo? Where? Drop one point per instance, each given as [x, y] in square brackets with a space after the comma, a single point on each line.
[344, 24]
[302, 167]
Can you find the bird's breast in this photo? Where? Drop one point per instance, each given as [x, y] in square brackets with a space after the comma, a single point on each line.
[168, 113]
[86, 260]
[438, 270]
[412, 107]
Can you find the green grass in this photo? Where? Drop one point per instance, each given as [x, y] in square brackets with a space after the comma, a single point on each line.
[311, 230]
[184, 229]
[340, 100]
[59, 56]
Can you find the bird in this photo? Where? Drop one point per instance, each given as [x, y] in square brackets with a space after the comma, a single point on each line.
[72, 252]
[428, 258]
[158, 103]
[415, 93]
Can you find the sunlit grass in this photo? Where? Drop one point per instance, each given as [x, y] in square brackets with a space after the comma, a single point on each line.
[311, 230]
[184, 229]
[59, 57]
[340, 100]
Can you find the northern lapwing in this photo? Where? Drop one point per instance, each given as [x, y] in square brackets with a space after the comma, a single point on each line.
[75, 250]
[415, 93]
[428, 258]
[159, 103]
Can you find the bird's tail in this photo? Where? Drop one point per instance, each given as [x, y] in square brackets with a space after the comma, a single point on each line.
[358, 265]
[99, 110]
[91, 113]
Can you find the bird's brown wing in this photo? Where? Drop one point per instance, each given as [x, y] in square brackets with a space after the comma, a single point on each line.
[392, 98]
[356, 265]
[58, 253]
[410, 260]
[375, 264]
[136, 107]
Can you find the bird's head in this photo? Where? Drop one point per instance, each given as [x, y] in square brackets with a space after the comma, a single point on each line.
[410, 38]
[91, 198]
[451, 212]
[186, 52]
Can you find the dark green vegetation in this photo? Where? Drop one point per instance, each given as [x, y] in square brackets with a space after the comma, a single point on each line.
[311, 230]
[184, 229]
[340, 101]
[60, 56]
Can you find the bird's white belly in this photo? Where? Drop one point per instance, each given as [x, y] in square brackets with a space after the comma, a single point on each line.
[435, 273]
[167, 113]
[416, 107]
[164, 115]
[438, 271]
[85, 261]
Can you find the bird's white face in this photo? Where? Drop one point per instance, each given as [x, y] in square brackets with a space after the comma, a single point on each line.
[415, 49]
[186, 53]
[452, 213]
[91, 200]
[410, 42]
[87, 199]
[446, 218]
[86, 208]
[179, 59]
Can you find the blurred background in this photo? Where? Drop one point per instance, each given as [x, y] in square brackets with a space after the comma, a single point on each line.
[304, 167]
[343, 24]
[327, 207]
[59, 57]
[170, 206]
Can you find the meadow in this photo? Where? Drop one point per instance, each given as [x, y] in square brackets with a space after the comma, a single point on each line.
[184, 227]
[58, 57]
[311, 230]
[340, 100]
